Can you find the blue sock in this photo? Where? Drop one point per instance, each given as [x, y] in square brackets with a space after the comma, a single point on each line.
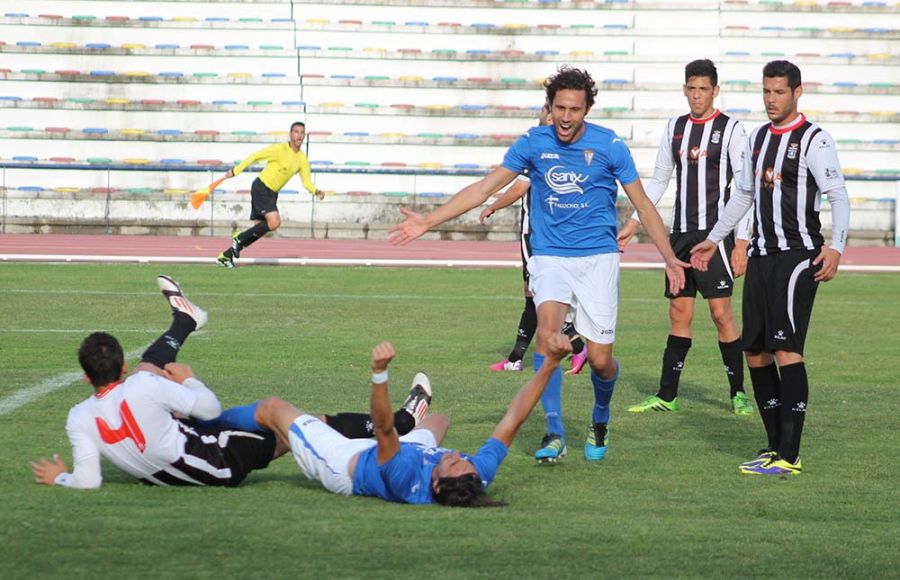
[603, 392]
[551, 400]
[238, 418]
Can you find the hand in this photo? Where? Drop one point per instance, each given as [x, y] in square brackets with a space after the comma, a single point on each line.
[408, 230]
[487, 213]
[626, 233]
[830, 260]
[739, 258]
[558, 347]
[320, 194]
[229, 174]
[382, 355]
[675, 273]
[701, 254]
[178, 372]
[46, 472]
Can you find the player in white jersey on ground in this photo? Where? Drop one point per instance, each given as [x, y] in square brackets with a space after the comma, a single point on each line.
[792, 163]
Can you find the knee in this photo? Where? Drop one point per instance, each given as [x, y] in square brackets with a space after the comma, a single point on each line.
[721, 315]
[602, 363]
[273, 221]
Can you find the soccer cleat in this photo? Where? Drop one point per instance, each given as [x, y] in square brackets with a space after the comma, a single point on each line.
[578, 360]
[740, 405]
[507, 365]
[654, 403]
[774, 465]
[236, 246]
[225, 260]
[764, 455]
[553, 448]
[419, 398]
[179, 302]
[596, 443]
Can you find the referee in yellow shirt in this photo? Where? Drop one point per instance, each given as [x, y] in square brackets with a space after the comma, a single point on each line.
[283, 160]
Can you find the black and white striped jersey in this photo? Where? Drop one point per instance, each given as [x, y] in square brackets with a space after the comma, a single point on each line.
[788, 170]
[705, 155]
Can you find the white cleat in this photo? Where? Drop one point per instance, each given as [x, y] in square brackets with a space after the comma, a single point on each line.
[179, 302]
[419, 398]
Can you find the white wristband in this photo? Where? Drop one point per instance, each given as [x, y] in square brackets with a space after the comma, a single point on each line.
[380, 378]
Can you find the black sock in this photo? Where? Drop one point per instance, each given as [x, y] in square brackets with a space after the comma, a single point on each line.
[228, 253]
[795, 395]
[733, 359]
[677, 348]
[767, 392]
[165, 348]
[577, 344]
[359, 425]
[252, 234]
[527, 326]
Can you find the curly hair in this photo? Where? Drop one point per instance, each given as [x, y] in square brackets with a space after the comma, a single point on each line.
[464, 491]
[567, 77]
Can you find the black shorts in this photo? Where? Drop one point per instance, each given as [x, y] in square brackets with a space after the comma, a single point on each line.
[218, 456]
[717, 281]
[262, 200]
[525, 248]
[779, 292]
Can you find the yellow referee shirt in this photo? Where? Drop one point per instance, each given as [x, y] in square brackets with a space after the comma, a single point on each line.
[281, 164]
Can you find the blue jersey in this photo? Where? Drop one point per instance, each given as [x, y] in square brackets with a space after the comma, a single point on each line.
[573, 188]
[406, 478]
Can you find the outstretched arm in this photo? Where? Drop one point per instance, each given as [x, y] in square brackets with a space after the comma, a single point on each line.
[465, 199]
[528, 396]
[380, 409]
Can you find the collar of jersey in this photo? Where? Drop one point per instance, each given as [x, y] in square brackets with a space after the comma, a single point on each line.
[782, 130]
[105, 390]
[712, 116]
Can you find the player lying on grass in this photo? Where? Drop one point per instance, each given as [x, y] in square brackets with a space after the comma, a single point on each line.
[162, 425]
[412, 468]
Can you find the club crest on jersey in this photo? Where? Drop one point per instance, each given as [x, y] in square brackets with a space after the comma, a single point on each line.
[588, 156]
[715, 137]
[792, 150]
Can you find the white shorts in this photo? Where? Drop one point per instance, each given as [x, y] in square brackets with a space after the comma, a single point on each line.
[588, 284]
[323, 454]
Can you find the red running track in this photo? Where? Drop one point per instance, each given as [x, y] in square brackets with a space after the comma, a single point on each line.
[57, 247]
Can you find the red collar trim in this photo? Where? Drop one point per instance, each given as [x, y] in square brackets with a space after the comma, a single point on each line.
[712, 116]
[781, 131]
[105, 390]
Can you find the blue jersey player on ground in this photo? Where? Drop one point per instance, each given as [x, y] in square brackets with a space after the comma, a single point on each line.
[575, 169]
[408, 469]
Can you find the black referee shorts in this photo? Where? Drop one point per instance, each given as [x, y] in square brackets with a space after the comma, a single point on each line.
[779, 292]
[262, 200]
[525, 248]
[717, 281]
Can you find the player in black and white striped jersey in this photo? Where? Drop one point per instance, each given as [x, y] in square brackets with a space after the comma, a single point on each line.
[792, 163]
[705, 149]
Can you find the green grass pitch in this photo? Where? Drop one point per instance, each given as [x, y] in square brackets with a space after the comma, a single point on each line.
[666, 501]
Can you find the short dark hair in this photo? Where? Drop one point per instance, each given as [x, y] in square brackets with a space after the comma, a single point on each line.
[101, 358]
[783, 68]
[464, 491]
[298, 124]
[702, 68]
[567, 77]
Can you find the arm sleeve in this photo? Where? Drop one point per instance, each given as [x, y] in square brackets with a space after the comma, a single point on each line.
[738, 151]
[621, 162]
[399, 474]
[736, 208]
[206, 405]
[85, 458]
[306, 175]
[267, 154]
[488, 459]
[662, 171]
[823, 163]
[517, 157]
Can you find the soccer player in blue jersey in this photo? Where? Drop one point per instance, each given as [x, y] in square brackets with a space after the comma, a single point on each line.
[574, 168]
[412, 468]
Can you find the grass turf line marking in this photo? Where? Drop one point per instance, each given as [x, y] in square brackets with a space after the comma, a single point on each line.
[29, 394]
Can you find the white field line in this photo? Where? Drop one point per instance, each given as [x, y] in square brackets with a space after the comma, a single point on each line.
[33, 393]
